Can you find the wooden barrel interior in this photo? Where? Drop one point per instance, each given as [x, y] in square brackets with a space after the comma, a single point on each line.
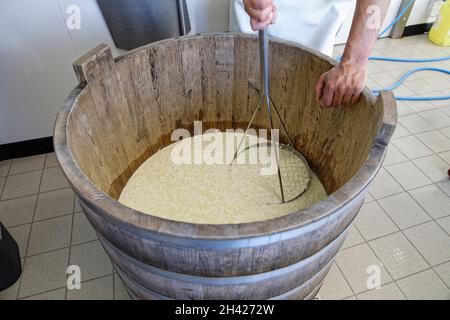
[125, 110]
[129, 108]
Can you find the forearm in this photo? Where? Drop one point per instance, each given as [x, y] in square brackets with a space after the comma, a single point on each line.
[369, 15]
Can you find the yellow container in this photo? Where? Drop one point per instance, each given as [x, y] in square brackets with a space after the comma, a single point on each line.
[440, 33]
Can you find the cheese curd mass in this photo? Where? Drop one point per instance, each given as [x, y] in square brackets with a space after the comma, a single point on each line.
[194, 181]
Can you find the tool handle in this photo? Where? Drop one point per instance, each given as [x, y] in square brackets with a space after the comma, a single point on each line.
[264, 59]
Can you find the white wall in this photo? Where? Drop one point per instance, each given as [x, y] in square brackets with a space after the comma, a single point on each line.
[209, 15]
[36, 55]
[418, 16]
[37, 51]
[420, 13]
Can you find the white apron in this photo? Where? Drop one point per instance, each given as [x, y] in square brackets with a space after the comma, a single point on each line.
[314, 23]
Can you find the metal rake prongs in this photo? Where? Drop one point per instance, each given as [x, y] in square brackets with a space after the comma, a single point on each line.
[267, 99]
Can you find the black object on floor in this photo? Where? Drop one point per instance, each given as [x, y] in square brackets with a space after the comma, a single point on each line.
[135, 23]
[417, 29]
[26, 148]
[10, 265]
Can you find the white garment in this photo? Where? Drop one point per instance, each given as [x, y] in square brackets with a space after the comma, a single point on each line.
[314, 23]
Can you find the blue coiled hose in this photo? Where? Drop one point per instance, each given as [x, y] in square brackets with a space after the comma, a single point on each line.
[409, 73]
[406, 76]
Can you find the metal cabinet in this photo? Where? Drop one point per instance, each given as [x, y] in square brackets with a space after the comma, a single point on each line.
[138, 22]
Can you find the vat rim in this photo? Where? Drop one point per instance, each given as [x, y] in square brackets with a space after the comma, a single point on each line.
[270, 231]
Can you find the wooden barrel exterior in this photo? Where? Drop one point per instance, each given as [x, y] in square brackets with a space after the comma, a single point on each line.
[125, 109]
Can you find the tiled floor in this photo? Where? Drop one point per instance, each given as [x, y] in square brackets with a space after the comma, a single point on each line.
[42, 214]
[403, 227]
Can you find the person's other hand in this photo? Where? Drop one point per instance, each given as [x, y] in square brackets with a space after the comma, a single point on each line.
[341, 85]
[262, 13]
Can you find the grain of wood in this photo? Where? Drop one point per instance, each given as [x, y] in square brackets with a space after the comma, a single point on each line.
[125, 110]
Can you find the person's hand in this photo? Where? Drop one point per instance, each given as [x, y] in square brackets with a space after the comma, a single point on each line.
[262, 13]
[341, 85]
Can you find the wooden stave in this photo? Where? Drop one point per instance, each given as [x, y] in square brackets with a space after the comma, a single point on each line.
[306, 291]
[257, 286]
[185, 259]
[92, 194]
[381, 140]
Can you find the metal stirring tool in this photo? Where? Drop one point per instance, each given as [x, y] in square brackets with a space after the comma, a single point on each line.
[267, 99]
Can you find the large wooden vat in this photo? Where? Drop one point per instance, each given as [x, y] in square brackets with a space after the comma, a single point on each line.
[124, 110]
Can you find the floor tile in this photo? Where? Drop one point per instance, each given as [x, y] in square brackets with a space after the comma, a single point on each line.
[435, 140]
[424, 286]
[419, 86]
[391, 66]
[412, 147]
[431, 241]
[4, 167]
[17, 211]
[372, 84]
[403, 110]
[77, 205]
[27, 164]
[445, 224]
[372, 222]
[120, 291]
[368, 198]
[353, 238]
[92, 259]
[53, 179]
[443, 104]
[2, 183]
[54, 203]
[400, 132]
[387, 292]
[58, 294]
[355, 264]
[44, 272]
[404, 91]
[397, 254]
[420, 75]
[445, 156]
[443, 270]
[415, 124]
[384, 185]
[21, 234]
[372, 68]
[11, 293]
[404, 210]
[408, 175]
[21, 185]
[446, 131]
[334, 287]
[420, 106]
[49, 235]
[433, 200]
[444, 186]
[436, 118]
[383, 79]
[434, 167]
[51, 161]
[413, 51]
[394, 156]
[437, 82]
[98, 289]
[397, 74]
[82, 229]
